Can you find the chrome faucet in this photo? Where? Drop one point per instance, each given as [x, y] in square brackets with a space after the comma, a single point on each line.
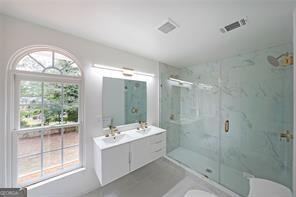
[112, 130]
[142, 125]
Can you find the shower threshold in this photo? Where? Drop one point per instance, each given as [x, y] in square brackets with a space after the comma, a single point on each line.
[202, 165]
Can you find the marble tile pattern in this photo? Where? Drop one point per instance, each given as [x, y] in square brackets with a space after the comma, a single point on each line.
[161, 178]
[135, 101]
[257, 99]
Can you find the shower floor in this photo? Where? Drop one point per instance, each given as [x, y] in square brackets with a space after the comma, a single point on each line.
[195, 161]
[202, 164]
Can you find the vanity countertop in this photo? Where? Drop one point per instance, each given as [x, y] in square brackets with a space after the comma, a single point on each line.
[124, 137]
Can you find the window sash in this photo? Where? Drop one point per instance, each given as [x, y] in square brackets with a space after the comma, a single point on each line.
[48, 151]
[39, 78]
[42, 77]
[42, 130]
[36, 60]
[59, 126]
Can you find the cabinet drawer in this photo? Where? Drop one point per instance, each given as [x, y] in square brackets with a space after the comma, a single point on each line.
[157, 146]
[158, 153]
[158, 138]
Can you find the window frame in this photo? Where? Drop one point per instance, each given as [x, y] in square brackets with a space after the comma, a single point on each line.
[16, 77]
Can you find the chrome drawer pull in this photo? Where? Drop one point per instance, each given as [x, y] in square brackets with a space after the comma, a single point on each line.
[158, 150]
[158, 142]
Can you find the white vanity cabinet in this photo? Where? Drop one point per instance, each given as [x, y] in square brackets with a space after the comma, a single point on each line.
[127, 153]
[112, 163]
[146, 150]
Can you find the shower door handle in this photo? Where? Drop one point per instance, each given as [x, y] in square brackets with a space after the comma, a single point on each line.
[226, 126]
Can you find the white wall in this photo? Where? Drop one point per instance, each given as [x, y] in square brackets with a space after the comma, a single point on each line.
[294, 125]
[18, 34]
[2, 120]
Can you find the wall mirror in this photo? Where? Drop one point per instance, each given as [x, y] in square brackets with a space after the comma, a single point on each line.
[124, 101]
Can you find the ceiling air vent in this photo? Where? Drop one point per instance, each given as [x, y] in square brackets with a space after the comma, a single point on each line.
[234, 25]
[168, 26]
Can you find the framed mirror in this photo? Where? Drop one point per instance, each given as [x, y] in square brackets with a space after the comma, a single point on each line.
[124, 101]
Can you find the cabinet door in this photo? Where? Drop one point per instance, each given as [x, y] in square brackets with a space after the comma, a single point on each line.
[115, 163]
[140, 153]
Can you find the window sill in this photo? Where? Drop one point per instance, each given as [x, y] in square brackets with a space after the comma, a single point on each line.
[39, 184]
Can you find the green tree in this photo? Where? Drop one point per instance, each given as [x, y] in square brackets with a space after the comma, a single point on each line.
[53, 103]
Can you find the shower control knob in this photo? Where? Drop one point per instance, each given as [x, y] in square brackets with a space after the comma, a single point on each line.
[286, 135]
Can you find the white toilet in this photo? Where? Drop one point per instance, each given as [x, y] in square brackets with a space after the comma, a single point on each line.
[258, 188]
[198, 193]
[263, 187]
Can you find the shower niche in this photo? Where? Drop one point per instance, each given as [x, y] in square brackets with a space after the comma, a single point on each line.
[230, 121]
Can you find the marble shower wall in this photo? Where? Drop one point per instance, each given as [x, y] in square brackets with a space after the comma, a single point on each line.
[257, 99]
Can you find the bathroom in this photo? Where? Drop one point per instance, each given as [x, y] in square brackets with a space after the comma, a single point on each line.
[147, 99]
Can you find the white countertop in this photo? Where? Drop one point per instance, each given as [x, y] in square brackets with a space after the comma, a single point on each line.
[130, 135]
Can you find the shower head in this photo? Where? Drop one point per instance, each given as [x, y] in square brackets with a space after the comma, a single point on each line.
[275, 60]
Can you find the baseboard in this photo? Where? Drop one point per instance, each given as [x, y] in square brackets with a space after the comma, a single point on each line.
[207, 180]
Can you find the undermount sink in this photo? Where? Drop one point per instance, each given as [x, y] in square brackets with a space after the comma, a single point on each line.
[115, 139]
[144, 131]
[104, 142]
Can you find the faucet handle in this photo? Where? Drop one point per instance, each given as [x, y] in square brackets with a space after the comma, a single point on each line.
[116, 130]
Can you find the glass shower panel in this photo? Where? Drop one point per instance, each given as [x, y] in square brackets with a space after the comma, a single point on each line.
[258, 102]
[169, 106]
[191, 116]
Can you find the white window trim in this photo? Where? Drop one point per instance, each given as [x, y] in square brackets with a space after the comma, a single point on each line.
[10, 114]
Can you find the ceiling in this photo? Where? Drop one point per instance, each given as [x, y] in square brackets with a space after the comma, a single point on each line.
[131, 25]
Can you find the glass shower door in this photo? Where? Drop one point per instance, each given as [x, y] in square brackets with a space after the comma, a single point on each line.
[257, 100]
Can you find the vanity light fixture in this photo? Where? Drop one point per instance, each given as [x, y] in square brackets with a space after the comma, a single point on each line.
[181, 82]
[128, 71]
[125, 71]
[107, 67]
[205, 86]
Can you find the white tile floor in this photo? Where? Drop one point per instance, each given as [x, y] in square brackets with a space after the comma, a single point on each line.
[158, 179]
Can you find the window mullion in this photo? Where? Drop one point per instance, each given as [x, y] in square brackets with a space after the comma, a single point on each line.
[62, 102]
[62, 148]
[42, 150]
[43, 130]
[36, 60]
[42, 104]
[52, 59]
[62, 119]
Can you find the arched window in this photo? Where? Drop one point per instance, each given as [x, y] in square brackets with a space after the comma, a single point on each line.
[47, 86]
[49, 62]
